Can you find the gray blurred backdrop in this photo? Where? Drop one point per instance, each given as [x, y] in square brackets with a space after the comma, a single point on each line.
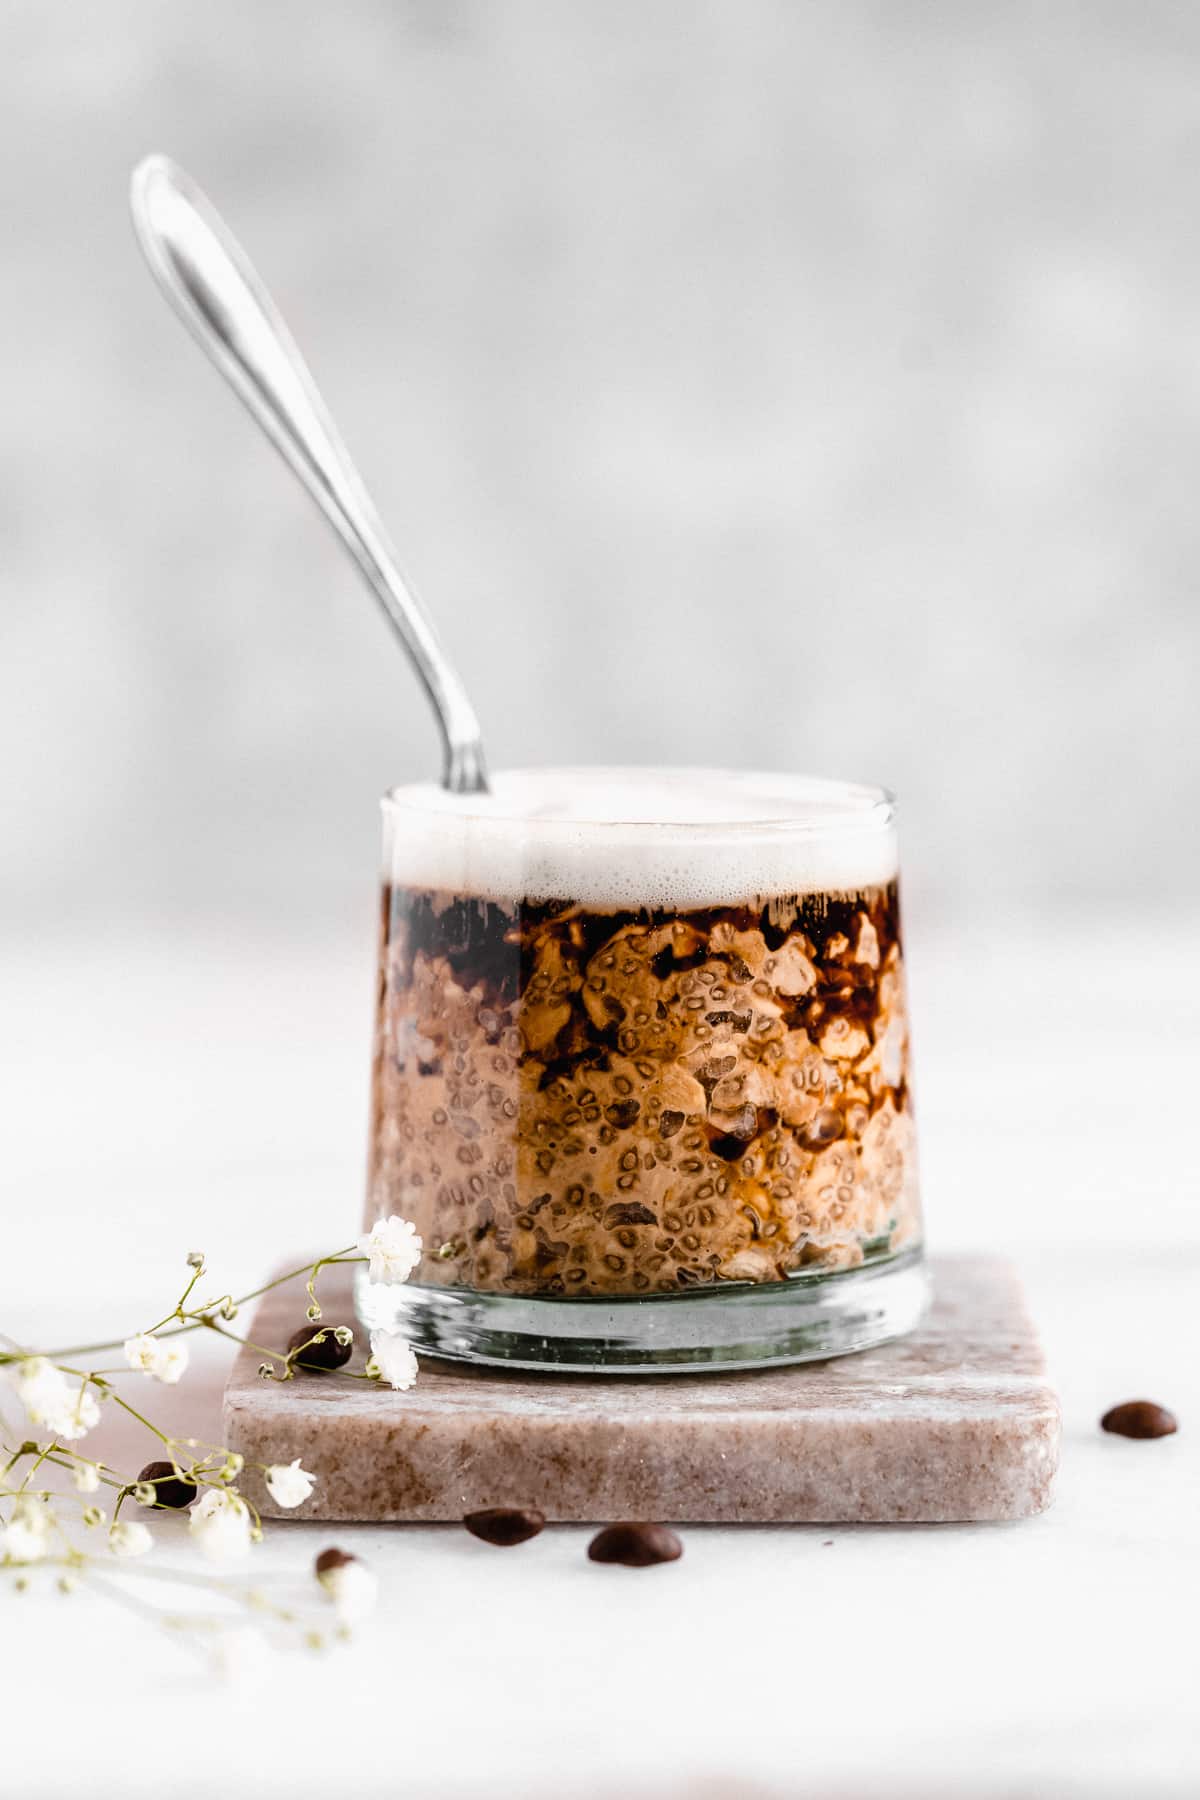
[765, 384]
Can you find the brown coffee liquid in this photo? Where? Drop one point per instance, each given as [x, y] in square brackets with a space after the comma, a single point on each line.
[569, 1101]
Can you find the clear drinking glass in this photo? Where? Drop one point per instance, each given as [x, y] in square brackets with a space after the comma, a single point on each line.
[641, 1074]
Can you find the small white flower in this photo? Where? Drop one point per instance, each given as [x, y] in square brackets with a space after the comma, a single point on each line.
[87, 1477]
[395, 1359]
[141, 1352]
[79, 1412]
[220, 1523]
[150, 1356]
[348, 1584]
[128, 1538]
[288, 1484]
[26, 1537]
[393, 1249]
[50, 1400]
[35, 1379]
[172, 1363]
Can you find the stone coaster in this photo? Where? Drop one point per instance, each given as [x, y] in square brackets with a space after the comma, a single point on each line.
[955, 1421]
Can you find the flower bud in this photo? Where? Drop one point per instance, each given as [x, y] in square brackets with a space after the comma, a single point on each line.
[167, 1487]
[318, 1348]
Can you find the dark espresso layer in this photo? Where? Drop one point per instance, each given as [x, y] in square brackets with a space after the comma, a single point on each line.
[571, 1101]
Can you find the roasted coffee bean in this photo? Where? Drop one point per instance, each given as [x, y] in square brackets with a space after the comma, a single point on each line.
[170, 1489]
[505, 1524]
[319, 1350]
[635, 1545]
[1139, 1419]
[329, 1560]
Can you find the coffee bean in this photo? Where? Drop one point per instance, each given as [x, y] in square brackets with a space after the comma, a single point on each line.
[505, 1524]
[1139, 1419]
[319, 1350]
[635, 1545]
[170, 1489]
[329, 1560]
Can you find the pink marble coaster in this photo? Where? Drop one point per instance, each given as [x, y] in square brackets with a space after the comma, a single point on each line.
[956, 1421]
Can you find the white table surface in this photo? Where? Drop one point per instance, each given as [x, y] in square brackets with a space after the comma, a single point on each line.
[163, 1095]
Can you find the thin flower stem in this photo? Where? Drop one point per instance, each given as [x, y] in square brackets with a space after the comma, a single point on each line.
[177, 1311]
[197, 1317]
[60, 1462]
[112, 1591]
[142, 1420]
[34, 1467]
[221, 1331]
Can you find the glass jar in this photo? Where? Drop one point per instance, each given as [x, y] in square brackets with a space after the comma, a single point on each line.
[641, 1074]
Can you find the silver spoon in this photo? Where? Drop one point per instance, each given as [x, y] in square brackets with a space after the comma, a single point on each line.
[213, 287]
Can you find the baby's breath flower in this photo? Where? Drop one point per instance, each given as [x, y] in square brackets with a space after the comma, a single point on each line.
[129, 1538]
[79, 1413]
[141, 1352]
[87, 1477]
[165, 1361]
[26, 1537]
[220, 1523]
[34, 1377]
[172, 1363]
[393, 1250]
[348, 1584]
[394, 1359]
[195, 1259]
[288, 1484]
[50, 1400]
[93, 1515]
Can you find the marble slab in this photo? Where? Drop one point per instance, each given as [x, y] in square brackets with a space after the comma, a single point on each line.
[957, 1421]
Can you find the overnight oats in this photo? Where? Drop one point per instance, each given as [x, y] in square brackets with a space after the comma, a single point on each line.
[641, 1074]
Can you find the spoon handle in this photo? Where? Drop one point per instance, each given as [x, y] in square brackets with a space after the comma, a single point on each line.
[213, 287]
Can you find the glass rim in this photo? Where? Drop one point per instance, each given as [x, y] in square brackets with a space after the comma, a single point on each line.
[834, 805]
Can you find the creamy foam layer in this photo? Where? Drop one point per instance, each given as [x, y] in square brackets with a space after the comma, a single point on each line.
[631, 838]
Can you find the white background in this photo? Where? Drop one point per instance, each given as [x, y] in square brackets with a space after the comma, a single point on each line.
[799, 386]
[808, 386]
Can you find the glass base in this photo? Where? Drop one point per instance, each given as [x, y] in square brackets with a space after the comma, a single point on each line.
[738, 1326]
